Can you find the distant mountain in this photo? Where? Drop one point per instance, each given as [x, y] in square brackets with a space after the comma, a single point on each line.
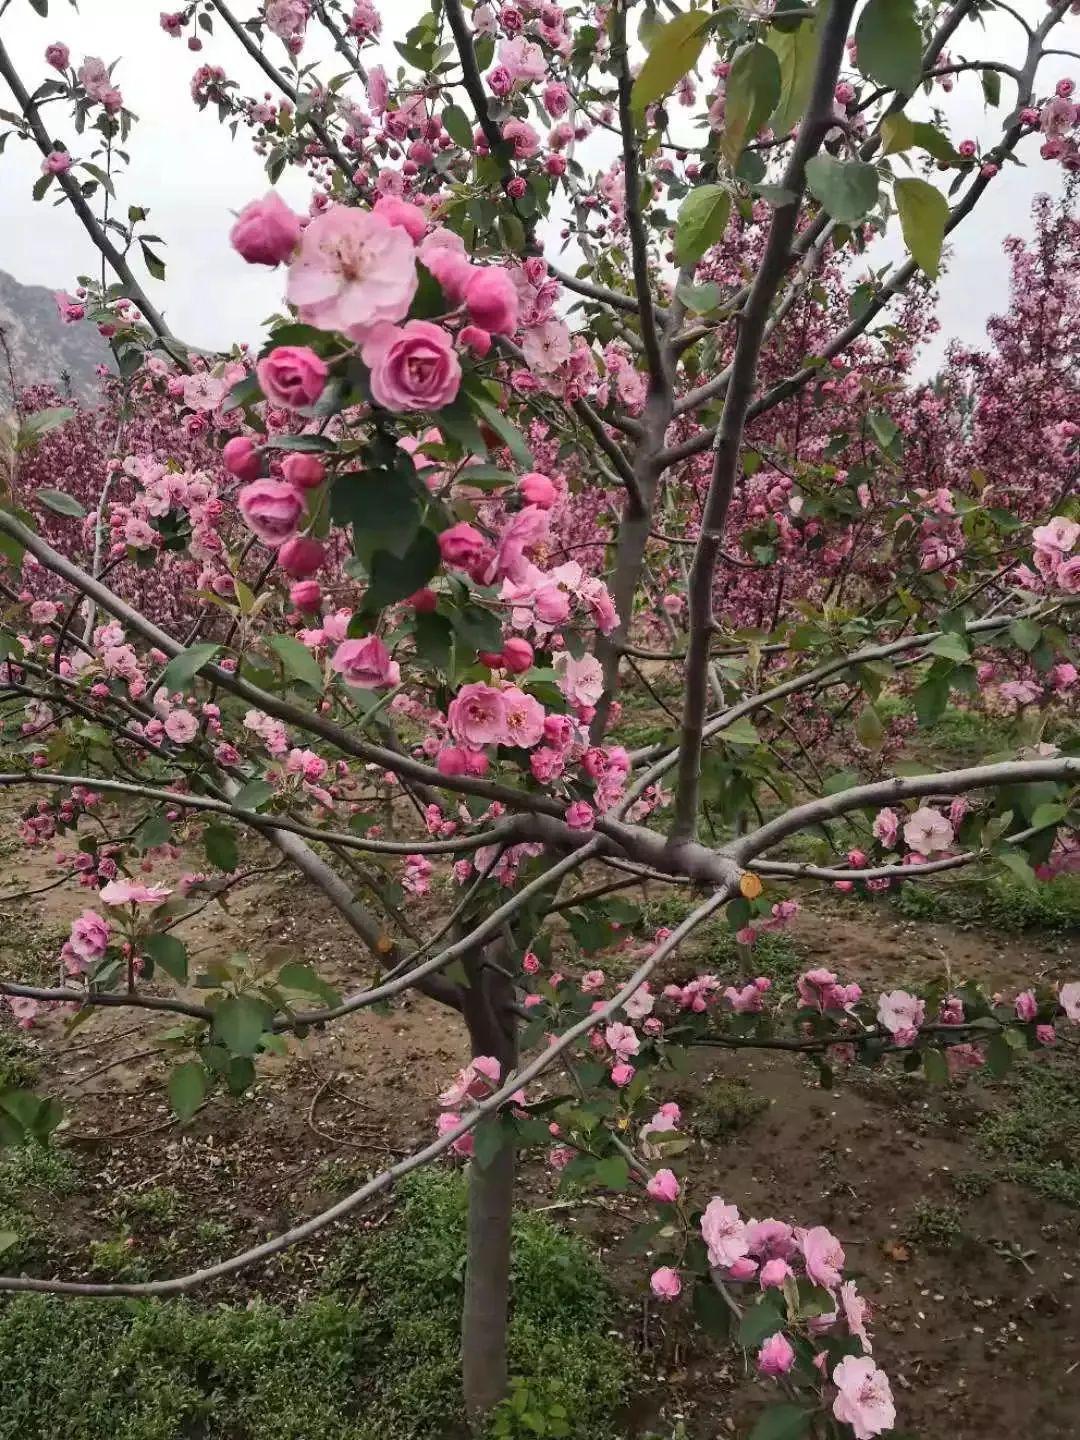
[44, 349]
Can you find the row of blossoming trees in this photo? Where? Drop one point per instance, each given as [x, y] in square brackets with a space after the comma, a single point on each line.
[380, 595]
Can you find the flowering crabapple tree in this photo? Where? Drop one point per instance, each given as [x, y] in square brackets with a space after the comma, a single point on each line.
[390, 594]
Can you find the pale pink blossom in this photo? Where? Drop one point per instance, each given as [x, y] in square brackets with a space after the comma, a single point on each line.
[724, 1234]
[353, 270]
[823, 1256]
[927, 831]
[131, 892]
[886, 827]
[581, 681]
[900, 1012]
[622, 1040]
[1069, 995]
[864, 1400]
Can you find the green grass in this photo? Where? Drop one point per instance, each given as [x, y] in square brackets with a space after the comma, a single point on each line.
[19, 1062]
[727, 1106]
[997, 901]
[935, 1226]
[376, 1358]
[1035, 1136]
[158, 1208]
[35, 1167]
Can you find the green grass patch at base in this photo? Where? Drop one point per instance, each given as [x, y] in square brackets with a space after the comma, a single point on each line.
[1035, 1136]
[377, 1358]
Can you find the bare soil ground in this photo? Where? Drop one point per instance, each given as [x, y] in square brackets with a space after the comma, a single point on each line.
[974, 1278]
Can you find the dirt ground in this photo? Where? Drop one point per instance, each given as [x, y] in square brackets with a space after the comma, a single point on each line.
[979, 1331]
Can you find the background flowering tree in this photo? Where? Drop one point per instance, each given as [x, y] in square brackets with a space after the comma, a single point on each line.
[386, 593]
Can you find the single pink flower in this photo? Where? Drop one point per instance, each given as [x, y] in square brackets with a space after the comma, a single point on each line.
[292, 376]
[462, 545]
[926, 831]
[776, 1356]
[524, 718]
[865, 1399]
[663, 1187]
[131, 892]
[580, 815]
[492, 300]
[89, 935]
[899, 1012]
[477, 715]
[354, 269]
[1069, 995]
[266, 231]
[581, 681]
[366, 664]
[271, 510]
[413, 366]
[724, 1233]
[665, 1283]
[823, 1255]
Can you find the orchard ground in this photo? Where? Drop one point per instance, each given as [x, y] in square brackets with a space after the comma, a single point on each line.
[959, 1208]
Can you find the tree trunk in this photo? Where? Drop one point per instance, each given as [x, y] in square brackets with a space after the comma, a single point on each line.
[492, 1031]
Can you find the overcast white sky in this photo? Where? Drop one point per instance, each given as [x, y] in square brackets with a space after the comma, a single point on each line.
[192, 175]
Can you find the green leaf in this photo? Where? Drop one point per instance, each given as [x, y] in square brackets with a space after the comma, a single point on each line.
[752, 94]
[950, 647]
[507, 433]
[152, 261]
[490, 1136]
[740, 732]
[1026, 634]
[889, 44]
[456, 124]
[931, 698]
[477, 629]
[711, 1310]
[239, 1022]
[169, 953]
[759, 1321]
[433, 635]
[187, 1088]
[897, 133]
[8, 1238]
[848, 189]
[924, 213]
[219, 842]
[869, 730]
[304, 979]
[32, 429]
[1047, 814]
[60, 504]
[298, 661]
[676, 47]
[253, 795]
[1015, 863]
[796, 51]
[991, 86]
[782, 1422]
[393, 577]
[183, 668]
[701, 223]
[935, 1067]
[612, 1172]
[999, 1056]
